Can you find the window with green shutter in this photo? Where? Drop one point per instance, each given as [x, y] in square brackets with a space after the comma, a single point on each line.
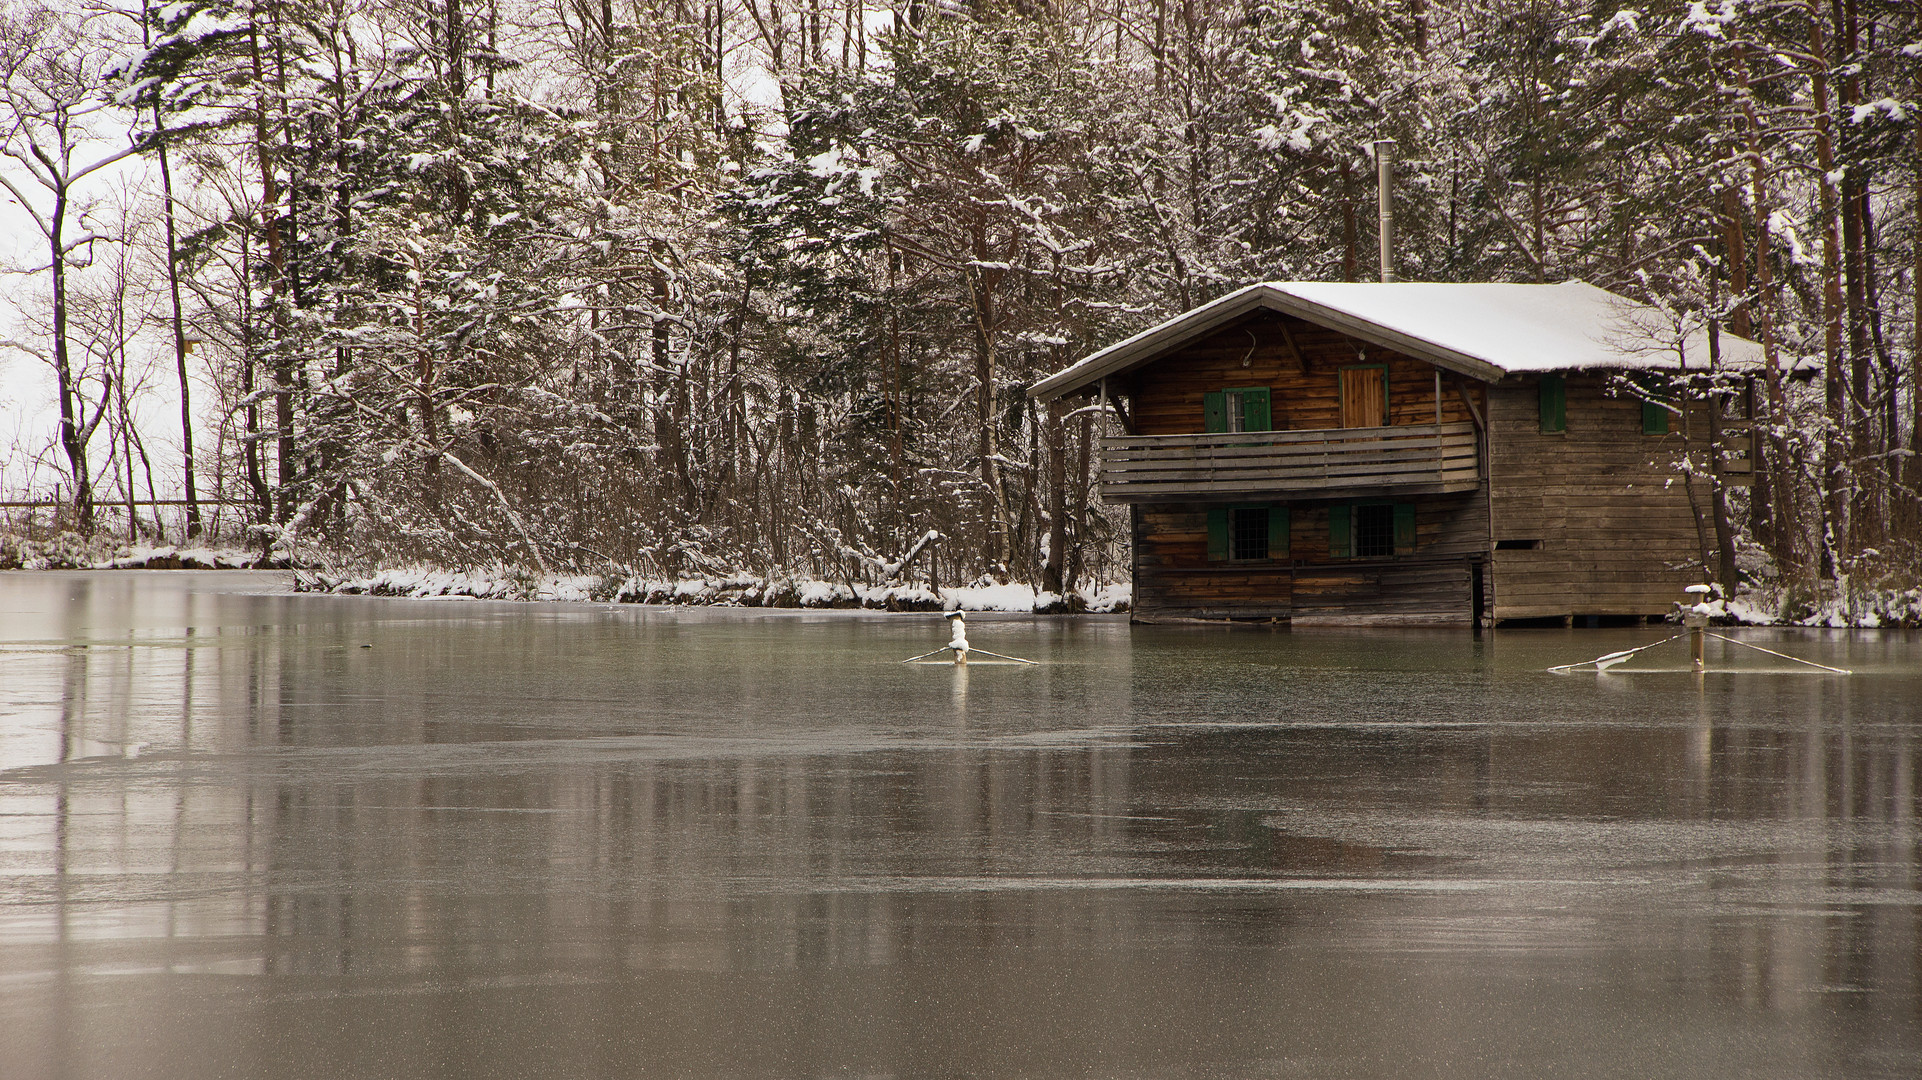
[1217, 534]
[1654, 418]
[1251, 533]
[1655, 394]
[1554, 404]
[1245, 408]
[1404, 528]
[1371, 530]
[1340, 535]
[1253, 408]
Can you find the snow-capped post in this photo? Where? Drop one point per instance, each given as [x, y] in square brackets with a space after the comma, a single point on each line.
[958, 644]
[958, 639]
[1385, 199]
[1695, 617]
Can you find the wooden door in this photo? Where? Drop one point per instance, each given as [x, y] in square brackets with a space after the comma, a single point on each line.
[1364, 396]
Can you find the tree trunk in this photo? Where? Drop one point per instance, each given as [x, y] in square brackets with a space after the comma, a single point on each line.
[1863, 528]
[73, 426]
[189, 491]
[1837, 475]
[1912, 471]
[1776, 503]
[1350, 255]
[249, 381]
[1718, 493]
[283, 369]
[981, 288]
[1053, 570]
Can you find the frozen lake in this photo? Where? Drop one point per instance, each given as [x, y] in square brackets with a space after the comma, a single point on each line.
[249, 833]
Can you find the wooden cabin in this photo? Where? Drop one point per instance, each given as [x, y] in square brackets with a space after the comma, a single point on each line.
[1404, 453]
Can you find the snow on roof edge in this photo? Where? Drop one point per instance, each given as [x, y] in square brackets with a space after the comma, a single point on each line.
[1486, 330]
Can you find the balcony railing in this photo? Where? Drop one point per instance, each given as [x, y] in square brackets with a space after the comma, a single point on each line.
[1405, 459]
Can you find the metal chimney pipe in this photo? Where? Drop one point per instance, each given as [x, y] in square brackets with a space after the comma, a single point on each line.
[1385, 197]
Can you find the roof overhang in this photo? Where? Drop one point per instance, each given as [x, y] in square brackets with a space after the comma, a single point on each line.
[1485, 331]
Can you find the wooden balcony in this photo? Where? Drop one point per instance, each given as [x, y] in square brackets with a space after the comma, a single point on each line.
[1406, 459]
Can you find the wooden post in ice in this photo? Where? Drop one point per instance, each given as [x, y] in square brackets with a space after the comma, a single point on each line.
[1695, 617]
[958, 640]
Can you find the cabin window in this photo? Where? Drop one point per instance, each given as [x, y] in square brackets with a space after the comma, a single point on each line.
[1374, 530]
[1554, 404]
[1237, 409]
[1364, 395]
[1250, 533]
[1655, 395]
[1371, 530]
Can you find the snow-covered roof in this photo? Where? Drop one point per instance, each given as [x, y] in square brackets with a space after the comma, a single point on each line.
[1483, 330]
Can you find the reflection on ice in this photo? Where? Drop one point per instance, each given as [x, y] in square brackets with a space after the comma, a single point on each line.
[710, 842]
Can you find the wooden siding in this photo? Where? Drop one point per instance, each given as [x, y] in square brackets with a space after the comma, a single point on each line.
[1165, 395]
[1173, 578]
[1407, 459]
[1605, 502]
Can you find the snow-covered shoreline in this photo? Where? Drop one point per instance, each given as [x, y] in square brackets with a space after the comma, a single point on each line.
[1865, 609]
[1892, 609]
[1862, 608]
[739, 590]
[68, 551]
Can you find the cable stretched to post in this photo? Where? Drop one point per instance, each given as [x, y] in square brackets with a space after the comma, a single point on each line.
[1695, 619]
[958, 644]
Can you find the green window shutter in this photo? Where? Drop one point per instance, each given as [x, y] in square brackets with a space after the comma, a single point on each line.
[1214, 412]
[1654, 418]
[1554, 403]
[1340, 517]
[1255, 414]
[1654, 391]
[1404, 528]
[1217, 533]
[1278, 531]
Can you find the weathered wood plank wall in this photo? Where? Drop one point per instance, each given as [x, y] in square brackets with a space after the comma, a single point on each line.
[1173, 578]
[1605, 502]
[1165, 396]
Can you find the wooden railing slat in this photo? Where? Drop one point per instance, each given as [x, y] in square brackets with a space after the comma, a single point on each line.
[1429, 456]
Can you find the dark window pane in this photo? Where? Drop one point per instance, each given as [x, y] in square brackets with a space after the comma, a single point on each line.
[1250, 526]
[1374, 531]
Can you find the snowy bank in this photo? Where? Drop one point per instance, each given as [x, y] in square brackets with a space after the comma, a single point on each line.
[1884, 607]
[70, 551]
[741, 590]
